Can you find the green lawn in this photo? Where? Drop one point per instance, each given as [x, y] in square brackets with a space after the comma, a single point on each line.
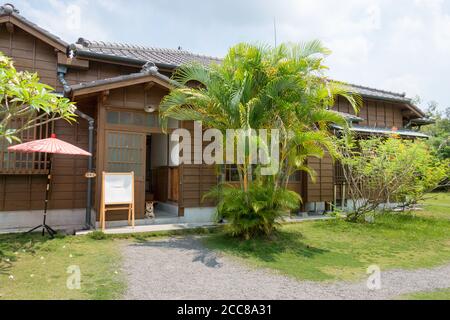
[337, 250]
[32, 267]
[437, 206]
[435, 295]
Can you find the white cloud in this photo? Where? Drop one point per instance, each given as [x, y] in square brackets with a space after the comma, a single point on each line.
[350, 51]
[60, 20]
[406, 83]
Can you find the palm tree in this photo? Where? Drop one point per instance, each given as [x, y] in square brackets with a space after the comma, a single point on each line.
[258, 87]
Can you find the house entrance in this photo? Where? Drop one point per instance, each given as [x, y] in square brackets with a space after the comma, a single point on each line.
[161, 177]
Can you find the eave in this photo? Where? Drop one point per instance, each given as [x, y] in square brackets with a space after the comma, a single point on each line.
[99, 86]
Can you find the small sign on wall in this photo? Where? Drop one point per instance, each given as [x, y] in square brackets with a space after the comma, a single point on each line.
[117, 195]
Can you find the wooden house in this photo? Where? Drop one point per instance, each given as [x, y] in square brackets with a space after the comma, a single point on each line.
[117, 89]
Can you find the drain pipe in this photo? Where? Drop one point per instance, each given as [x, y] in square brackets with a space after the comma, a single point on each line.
[62, 70]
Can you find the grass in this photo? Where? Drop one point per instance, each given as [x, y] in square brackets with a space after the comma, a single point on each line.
[338, 250]
[434, 295]
[437, 205]
[35, 268]
[32, 267]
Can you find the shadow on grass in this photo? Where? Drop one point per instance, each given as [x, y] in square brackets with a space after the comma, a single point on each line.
[263, 249]
[10, 244]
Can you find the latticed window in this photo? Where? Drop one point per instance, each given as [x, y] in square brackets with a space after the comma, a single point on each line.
[231, 173]
[24, 163]
[138, 119]
[125, 153]
[339, 177]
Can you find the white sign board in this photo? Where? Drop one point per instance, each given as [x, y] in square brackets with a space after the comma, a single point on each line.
[118, 188]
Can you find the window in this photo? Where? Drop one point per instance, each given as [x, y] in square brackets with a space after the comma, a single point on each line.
[125, 153]
[138, 119]
[24, 163]
[231, 173]
[296, 177]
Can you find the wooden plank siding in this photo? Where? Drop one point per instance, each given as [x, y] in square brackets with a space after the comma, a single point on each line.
[27, 192]
[322, 189]
[97, 71]
[196, 179]
[378, 114]
[30, 53]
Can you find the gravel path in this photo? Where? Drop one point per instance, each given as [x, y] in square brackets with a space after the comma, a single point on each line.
[181, 268]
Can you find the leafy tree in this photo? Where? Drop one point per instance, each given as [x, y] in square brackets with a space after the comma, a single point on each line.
[257, 87]
[22, 96]
[439, 131]
[380, 171]
[264, 88]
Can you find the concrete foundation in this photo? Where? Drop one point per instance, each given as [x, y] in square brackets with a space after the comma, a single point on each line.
[21, 221]
[200, 215]
[316, 207]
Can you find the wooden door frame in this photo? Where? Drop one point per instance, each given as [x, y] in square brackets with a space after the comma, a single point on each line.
[140, 179]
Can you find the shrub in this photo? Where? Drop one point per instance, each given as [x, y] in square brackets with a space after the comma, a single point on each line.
[255, 212]
[380, 171]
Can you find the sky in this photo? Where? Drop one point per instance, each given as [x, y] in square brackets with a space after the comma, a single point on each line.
[396, 45]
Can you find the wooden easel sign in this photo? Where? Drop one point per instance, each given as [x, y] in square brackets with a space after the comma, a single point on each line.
[117, 195]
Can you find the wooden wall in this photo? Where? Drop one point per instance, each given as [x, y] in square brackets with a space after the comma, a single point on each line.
[27, 192]
[196, 180]
[322, 189]
[30, 53]
[69, 182]
[96, 71]
[375, 113]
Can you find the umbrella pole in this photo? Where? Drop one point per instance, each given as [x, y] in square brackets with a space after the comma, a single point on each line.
[44, 225]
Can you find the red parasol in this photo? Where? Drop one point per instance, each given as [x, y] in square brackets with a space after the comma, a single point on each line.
[50, 146]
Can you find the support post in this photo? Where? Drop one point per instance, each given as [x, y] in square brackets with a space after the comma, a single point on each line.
[343, 196]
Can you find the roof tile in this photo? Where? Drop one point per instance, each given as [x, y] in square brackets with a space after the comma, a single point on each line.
[156, 55]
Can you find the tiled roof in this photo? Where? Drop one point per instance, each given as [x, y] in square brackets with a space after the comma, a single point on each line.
[349, 117]
[168, 58]
[380, 94]
[175, 58]
[139, 54]
[385, 131]
[10, 10]
[373, 93]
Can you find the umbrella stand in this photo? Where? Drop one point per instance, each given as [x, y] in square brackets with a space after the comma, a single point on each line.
[44, 225]
[49, 146]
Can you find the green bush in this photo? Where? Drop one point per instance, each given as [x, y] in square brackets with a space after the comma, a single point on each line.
[98, 235]
[380, 171]
[255, 212]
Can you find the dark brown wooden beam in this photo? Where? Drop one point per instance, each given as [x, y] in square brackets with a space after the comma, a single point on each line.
[73, 63]
[9, 27]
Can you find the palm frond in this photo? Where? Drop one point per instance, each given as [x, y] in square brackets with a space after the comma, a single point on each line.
[192, 72]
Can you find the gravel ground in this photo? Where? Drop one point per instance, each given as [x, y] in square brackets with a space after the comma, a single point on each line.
[181, 268]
